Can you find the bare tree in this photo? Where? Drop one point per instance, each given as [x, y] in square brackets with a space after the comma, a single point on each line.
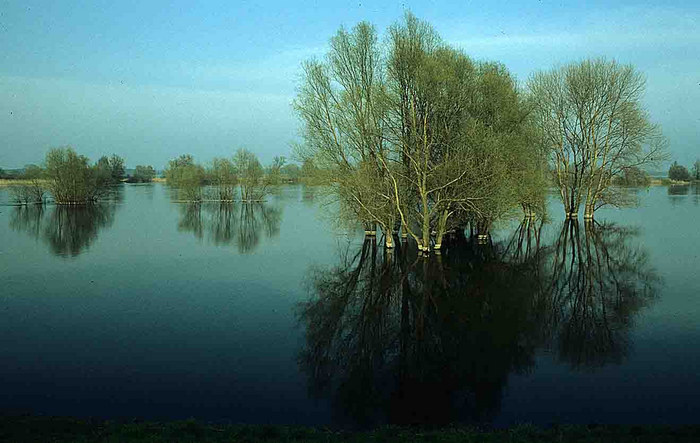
[251, 176]
[222, 175]
[341, 104]
[591, 118]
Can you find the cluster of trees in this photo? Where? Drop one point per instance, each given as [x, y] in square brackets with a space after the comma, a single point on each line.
[422, 138]
[240, 177]
[69, 178]
[142, 174]
[680, 173]
[73, 180]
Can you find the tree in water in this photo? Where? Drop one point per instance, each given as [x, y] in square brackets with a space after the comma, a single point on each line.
[392, 338]
[599, 282]
[419, 137]
[242, 225]
[591, 120]
[71, 179]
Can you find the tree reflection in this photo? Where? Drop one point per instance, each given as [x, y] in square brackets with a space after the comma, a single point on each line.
[394, 337]
[678, 189]
[242, 224]
[68, 230]
[599, 282]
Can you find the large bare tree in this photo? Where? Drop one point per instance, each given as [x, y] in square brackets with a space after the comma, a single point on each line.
[591, 118]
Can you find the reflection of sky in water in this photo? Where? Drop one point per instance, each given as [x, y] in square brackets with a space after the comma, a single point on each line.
[152, 320]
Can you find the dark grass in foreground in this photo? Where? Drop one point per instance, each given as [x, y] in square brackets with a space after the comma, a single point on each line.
[60, 430]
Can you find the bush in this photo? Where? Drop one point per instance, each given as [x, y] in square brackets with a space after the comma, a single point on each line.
[142, 174]
[71, 179]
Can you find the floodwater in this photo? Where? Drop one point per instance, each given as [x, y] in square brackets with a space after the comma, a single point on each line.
[141, 307]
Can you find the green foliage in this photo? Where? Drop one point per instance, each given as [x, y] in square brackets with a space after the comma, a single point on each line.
[143, 174]
[632, 176]
[419, 135]
[696, 170]
[111, 169]
[222, 175]
[274, 171]
[187, 176]
[678, 172]
[251, 175]
[32, 172]
[71, 179]
[291, 173]
[309, 171]
[116, 164]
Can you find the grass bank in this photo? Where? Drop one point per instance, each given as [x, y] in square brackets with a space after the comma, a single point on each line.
[64, 430]
[19, 182]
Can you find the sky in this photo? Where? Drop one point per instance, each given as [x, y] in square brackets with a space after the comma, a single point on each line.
[152, 80]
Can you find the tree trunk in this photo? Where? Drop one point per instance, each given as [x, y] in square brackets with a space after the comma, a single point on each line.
[442, 224]
[426, 224]
[389, 239]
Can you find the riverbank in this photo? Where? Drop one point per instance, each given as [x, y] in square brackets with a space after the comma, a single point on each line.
[64, 430]
[669, 182]
[18, 182]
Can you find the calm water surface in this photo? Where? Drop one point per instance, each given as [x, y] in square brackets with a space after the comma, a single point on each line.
[141, 307]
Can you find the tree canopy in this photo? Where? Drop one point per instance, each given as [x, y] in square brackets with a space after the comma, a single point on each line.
[418, 135]
[591, 120]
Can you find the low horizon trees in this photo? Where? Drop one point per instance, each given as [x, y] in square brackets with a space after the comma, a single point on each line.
[241, 177]
[592, 121]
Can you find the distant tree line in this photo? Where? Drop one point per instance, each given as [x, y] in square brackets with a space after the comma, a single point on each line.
[240, 177]
[142, 174]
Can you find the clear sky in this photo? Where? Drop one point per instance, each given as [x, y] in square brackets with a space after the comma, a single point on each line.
[150, 80]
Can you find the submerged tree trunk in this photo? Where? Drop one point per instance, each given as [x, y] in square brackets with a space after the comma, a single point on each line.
[442, 226]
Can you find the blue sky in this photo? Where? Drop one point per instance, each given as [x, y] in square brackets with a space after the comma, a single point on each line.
[152, 80]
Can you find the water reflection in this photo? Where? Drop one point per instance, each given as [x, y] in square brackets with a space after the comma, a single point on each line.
[599, 282]
[240, 224]
[678, 189]
[67, 230]
[395, 338]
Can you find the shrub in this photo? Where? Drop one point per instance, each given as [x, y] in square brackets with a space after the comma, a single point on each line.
[71, 179]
